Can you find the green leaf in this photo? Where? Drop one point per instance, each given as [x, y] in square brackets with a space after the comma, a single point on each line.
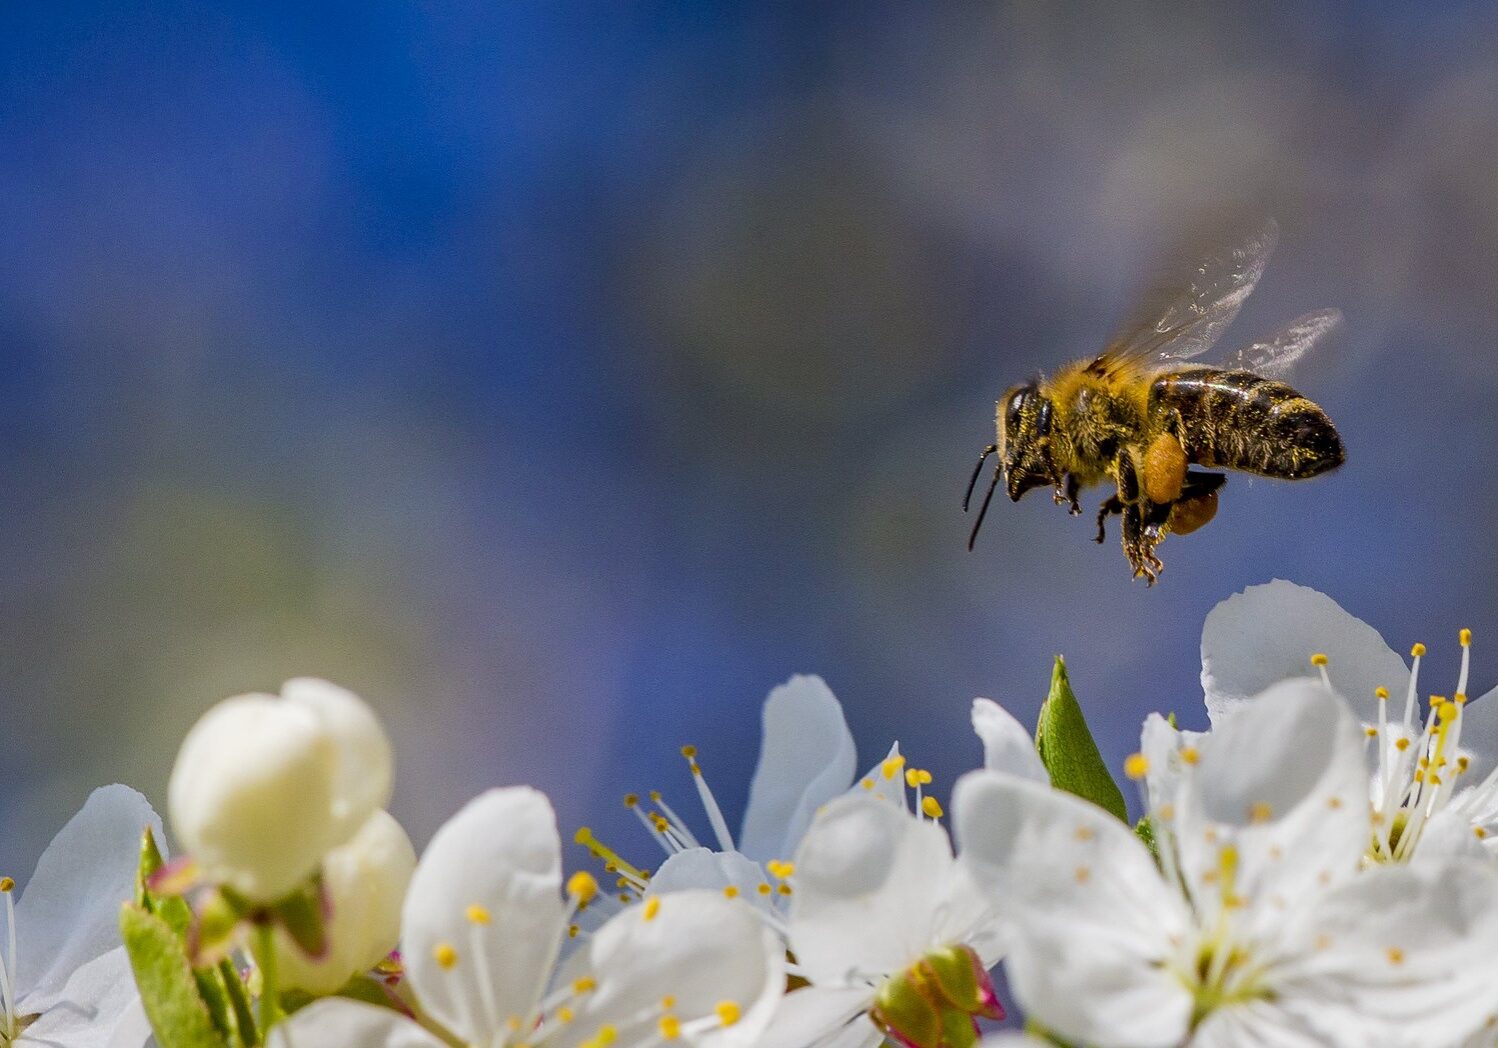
[1068, 751]
[179, 1016]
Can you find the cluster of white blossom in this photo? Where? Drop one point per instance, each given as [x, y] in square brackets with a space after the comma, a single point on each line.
[1316, 869]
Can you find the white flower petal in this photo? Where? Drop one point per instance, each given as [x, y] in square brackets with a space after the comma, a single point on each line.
[872, 887]
[695, 947]
[1268, 633]
[247, 762]
[1480, 736]
[364, 765]
[1007, 746]
[806, 758]
[365, 881]
[1401, 954]
[705, 869]
[885, 780]
[1284, 780]
[69, 912]
[825, 1017]
[349, 1024]
[96, 1008]
[1092, 922]
[1161, 745]
[500, 852]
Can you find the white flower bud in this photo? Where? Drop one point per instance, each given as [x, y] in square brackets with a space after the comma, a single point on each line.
[264, 787]
[366, 882]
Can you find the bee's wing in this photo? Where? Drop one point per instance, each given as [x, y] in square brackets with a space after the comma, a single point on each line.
[1276, 355]
[1182, 318]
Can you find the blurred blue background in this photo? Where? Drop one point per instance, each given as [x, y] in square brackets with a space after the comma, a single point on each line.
[563, 377]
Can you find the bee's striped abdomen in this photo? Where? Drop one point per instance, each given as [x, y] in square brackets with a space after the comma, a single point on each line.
[1242, 421]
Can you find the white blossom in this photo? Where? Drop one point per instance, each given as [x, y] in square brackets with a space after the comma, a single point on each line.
[482, 929]
[364, 882]
[65, 981]
[1259, 924]
[1433, 759]
[264, 787]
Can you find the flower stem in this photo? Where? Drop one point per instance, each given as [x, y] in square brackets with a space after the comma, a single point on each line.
[270, 992]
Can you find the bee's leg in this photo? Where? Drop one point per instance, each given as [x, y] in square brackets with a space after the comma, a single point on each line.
[1068, 492]
[1198, 502]
[1111, 505]
[1138, 543]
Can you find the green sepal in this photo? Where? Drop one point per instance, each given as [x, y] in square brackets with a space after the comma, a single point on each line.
[370, 990]
[1068, 751]
[957, 1030]
[239, 1002]
[150, 861]
[174, 1004]
[902, 1009]
[301, 915]
[220, 915]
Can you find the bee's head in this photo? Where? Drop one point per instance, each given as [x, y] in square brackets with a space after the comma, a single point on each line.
[1025, 439]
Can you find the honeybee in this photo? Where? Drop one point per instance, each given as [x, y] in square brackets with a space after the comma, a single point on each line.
[1137, 418]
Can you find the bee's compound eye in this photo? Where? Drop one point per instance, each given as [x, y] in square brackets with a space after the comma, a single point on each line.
[1043, 419]
[1012, 412]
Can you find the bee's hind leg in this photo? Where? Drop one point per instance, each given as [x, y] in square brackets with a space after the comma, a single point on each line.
[1067, 492]
[1111, 505]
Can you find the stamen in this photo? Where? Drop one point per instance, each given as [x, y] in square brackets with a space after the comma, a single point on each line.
[670, 1028]
[931, 807]
[675, 824]
[709, 802]
[652, 908]
[728, 1012]
[445, 955]
[611, 858]
[891, 766]
[582, 886]
[1319, 660]
[1137, 766]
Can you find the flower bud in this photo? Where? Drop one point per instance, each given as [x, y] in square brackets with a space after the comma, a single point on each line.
[365, 883]
[264, 787]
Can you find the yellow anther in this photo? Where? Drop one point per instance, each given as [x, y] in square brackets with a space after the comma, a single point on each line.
[1319, 659]
[1137, 766]
[728, 1012]
[668, 1003]
[1371, 732]
[764, 889]
[573, 931]
[1401, 744]
[1459, 698]
[1417, 651]
[444, 954]
[1395, 955]
[477, 914]
[1436, 700]
[867, 784]
[731, 891]
[611, 860]
[779, 869]
[1260, 812]
[607, 1034]
[582, 886]
[783, 889]
[670, 1028]
[652, 907]
[1334, 803]
[689, 752]
[1447, 712]
[1480, 832]
[931, 807]
[1085, 833]
[625, 897]
[631, 799]
[587, 984]
[1189, 754]
[513, 1023]
[564, 1015]
[1083, 874]
[1381, 692]
[1465, 636]
[1462, 763]
[1323, 942]
[7, 885]
[655, 796]
[891, 766]
[912, 778]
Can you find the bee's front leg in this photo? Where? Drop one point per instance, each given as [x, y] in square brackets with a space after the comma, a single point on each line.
[1111, 505]
[1067, 492]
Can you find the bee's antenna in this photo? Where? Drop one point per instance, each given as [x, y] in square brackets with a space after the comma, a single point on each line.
[971, 484]
[983, 511]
